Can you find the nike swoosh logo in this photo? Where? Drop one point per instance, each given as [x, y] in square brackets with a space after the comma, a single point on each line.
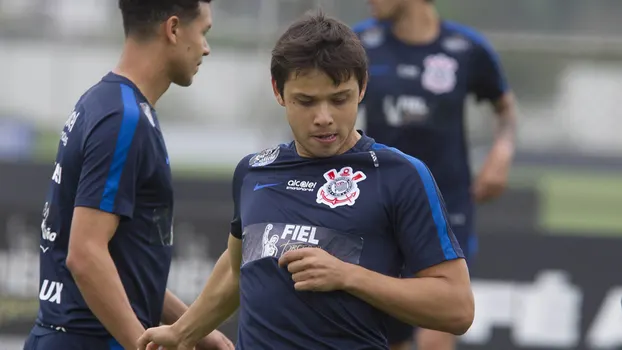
[44, 249]
[259, 187]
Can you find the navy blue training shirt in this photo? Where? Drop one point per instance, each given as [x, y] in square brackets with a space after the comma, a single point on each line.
[111, 157]
[415, 99]
[373, 206]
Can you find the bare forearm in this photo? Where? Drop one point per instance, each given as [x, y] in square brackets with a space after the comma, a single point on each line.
[100, 285]
[216, 303]
[506, 126]
[507, 117]
[432, 303]
[173, 308]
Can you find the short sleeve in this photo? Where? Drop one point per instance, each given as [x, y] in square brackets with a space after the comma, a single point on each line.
[236, 188]
[111, 163]
[487, 79]
[422, 227]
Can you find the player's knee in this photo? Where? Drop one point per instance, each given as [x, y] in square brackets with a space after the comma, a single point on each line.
[433, 340]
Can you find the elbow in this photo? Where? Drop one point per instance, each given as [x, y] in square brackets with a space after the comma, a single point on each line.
[75, 263]
[462, 323]
[78, 261]
[462, 318]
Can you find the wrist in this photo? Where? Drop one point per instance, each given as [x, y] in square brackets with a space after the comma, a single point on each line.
[501, 155]
[504, 146]
[183, 333]
[352, 277]
[131, 338]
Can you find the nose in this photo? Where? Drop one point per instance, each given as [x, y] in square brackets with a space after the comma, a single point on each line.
[323, 116]
[206, 49]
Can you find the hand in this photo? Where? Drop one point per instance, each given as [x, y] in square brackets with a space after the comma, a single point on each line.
[163, 337]
[493, 178]
[215, 341]
[313, 269]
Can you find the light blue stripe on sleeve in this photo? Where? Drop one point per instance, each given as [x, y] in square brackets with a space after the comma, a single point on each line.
[131, 113]
[433, 199]
[114, 345]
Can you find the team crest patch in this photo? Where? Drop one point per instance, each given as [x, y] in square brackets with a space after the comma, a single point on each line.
[265, 157]
[439, 75]
[340, 188]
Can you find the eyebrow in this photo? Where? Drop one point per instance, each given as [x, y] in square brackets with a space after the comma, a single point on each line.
[338, 93]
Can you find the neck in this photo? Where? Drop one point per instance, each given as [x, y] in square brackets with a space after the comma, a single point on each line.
[418, 23]
[140, 64]
[352, 139]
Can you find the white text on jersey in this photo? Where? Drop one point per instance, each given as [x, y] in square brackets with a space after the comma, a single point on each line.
[300, 233]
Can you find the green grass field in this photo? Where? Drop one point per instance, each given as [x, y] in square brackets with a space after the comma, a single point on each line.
[575, 201]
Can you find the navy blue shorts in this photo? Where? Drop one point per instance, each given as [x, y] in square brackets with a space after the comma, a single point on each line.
[399, 332]
[48, 339]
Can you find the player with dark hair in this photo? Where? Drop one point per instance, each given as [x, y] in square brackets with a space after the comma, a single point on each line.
[106, 235]
[323, 224]
[421, 71]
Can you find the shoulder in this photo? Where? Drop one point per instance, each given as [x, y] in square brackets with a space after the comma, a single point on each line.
[113, 103]
[106, 97]
[264, 157]
[473, 36]
[368, 24]
[393, 159]
[402, 169]
[259, 159]
[371, 32]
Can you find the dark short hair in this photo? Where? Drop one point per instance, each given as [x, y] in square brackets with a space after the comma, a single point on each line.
[317, 41]
[141, 16]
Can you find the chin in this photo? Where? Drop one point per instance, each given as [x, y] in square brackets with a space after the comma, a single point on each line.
[183, 83]
[383, 17]
[377, 14]
[183, 79]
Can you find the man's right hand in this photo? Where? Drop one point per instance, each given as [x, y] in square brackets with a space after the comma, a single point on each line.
[164, 337]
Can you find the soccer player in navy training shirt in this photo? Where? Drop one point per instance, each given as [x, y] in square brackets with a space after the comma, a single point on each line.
[106, 236]
[323, 224]
[421, 70]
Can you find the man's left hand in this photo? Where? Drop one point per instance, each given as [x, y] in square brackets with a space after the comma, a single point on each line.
[215, 341]
[313, 269]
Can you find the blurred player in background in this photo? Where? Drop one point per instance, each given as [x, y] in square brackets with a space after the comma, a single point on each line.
[421, 71]
[370, 209]
[107, 240]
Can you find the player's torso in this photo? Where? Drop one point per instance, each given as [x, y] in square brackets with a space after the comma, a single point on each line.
[415, 99]
[147, 240]
[141, 247]
[153, 215]
[335, 205]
